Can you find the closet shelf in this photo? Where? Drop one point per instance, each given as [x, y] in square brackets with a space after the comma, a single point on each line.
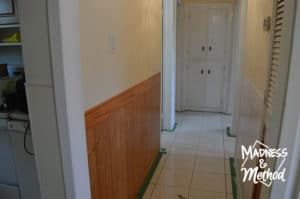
[10, 44]
[9, 26]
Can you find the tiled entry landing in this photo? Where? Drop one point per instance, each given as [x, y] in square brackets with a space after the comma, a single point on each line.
[196, 165]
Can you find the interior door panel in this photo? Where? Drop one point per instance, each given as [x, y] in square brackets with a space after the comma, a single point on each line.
[214, 85]
[217, 18]
[198, 33]
[197, 57]
[196, 86]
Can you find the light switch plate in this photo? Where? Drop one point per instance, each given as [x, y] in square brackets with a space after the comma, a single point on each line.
[112, 42]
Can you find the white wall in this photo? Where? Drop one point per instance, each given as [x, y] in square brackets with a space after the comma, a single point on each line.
[121, 46]
[291, 114]
[252, 62]
[169, 63]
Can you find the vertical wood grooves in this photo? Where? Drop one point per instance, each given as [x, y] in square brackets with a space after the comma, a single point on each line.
[123, 138]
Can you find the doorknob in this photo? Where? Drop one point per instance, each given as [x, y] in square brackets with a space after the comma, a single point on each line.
[210, 48]
[202, 72]
[208, 72]
[203, 48]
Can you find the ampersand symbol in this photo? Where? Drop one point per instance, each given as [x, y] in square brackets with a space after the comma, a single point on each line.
[262, 164]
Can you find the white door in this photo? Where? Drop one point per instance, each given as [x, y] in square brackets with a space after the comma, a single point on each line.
[216, 58]
[197, 54]
[207, 57]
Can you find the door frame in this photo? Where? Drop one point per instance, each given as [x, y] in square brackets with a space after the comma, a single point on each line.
[169, 65]
[228, 62]
[59, 133]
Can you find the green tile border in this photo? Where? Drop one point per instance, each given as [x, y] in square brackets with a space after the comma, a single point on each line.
[171, 130]
[147, 181]
[228, 132]
[233, 178]
[163, 150]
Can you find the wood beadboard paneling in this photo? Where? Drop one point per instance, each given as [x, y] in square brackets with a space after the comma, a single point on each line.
[123, 136]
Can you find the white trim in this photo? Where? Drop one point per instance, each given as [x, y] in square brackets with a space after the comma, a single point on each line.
[228, 67]
[233, 70]
[64, 38]
[180, 56]
[290, 122]
[294, 171]
[51, 52]
[169, 63]
[41, 102]
[238, 65]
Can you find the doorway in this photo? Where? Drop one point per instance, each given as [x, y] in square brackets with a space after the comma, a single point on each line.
[198, 149]
[206, 31]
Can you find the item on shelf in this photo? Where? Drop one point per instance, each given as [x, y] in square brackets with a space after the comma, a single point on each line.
[21, 101]
[3, 115]
[10, 101]
[3, 112]
[3, 70]
[3, 86]
[15, 95]
[14, 38]
[10, 94]
[15, 70]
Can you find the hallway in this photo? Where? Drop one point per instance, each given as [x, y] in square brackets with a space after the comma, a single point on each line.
[196, 165]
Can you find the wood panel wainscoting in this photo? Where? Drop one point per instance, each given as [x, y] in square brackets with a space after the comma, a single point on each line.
[123, 138]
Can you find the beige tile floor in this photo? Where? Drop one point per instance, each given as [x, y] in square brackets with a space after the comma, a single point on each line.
[196, 165]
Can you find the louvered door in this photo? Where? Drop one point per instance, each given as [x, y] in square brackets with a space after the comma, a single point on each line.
[275, 56]
[277, 77]
[278, 69]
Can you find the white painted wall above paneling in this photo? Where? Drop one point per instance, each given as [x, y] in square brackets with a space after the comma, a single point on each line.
[121, 45]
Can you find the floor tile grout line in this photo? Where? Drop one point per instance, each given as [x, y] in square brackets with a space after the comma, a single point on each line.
[225, 176]
[152, 191]
[195, 158]
[193, 172]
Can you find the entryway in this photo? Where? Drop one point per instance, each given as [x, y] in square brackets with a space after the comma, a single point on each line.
[237, 54]
[197, 160]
